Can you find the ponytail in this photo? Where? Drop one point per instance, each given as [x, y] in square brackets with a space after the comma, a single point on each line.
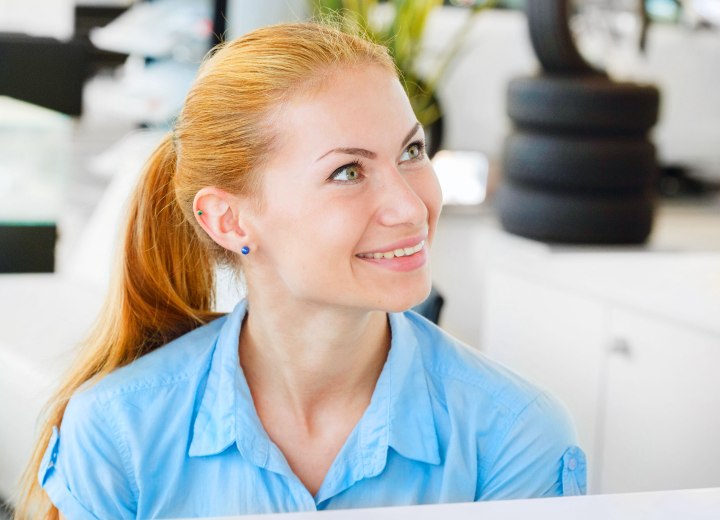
[163, 288]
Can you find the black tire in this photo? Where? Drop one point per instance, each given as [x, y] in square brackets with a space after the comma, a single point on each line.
[582, 104]
[571, 218]
[552, 40]
[580, 164]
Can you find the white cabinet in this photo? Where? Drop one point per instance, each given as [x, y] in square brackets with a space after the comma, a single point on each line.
[662, 406]
[629, 339]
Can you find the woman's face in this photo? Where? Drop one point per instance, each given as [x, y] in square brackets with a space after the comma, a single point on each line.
[350, 200]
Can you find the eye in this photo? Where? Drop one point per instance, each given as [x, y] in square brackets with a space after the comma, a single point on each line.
[349, 173]
[415, 151]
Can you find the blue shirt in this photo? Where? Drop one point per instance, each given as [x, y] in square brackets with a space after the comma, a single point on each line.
[175, 434]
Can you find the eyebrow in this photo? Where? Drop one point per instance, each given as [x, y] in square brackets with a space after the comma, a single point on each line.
[362, 152]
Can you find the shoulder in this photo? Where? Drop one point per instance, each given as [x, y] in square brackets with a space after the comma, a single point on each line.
[483, 399]
[452, 366]
[185, 358]
[518, 432]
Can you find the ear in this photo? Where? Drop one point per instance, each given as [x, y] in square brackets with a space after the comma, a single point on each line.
[218, 213]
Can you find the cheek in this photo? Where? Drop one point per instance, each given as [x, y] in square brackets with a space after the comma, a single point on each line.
[319, 232]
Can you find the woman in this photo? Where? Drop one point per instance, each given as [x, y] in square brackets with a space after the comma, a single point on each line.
[297, 159]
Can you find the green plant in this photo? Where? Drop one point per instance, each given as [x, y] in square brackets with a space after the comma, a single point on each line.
[402, 32]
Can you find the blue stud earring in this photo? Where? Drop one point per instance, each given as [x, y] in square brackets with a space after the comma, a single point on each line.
[245, 250]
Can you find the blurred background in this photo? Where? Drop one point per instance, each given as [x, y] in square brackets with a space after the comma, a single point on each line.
[625, 332]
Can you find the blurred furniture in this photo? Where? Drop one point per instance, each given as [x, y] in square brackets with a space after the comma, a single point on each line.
[31, 64]
[628, 338]
[35, 147]
[432, 306]
[89, 15]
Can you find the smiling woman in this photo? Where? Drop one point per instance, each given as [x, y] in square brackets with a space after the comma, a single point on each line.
[297, 159]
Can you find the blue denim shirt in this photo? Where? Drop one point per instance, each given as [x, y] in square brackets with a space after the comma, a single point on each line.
[175, 434]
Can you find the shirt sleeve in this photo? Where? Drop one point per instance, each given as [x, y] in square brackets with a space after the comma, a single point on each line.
[536, 457]
[83, 471]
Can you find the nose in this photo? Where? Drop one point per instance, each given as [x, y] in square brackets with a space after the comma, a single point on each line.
[401, 204]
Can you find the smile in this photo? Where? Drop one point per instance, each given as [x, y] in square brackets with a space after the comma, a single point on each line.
[404, 251]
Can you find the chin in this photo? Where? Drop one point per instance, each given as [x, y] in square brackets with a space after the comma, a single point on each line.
[403, 302]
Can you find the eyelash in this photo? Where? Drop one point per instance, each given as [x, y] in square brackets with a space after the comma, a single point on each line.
[359, 164]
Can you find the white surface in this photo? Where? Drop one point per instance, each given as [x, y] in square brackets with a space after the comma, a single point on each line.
[693, 504]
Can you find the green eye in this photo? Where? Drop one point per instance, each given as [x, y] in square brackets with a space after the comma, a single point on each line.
[413, 151]
[347, 173]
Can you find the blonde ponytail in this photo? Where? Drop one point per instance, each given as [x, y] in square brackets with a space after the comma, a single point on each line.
[163, 288]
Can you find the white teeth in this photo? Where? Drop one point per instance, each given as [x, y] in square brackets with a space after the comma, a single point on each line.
[405, 251]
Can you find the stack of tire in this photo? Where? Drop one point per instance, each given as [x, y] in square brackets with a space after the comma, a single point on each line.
[578, 167]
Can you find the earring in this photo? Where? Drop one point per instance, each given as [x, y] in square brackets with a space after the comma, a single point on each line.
[245, 250]
[199, 212]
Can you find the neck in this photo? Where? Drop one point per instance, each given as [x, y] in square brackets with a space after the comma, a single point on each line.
[312, 359]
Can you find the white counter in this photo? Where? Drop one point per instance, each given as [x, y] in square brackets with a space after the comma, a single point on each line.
[693, 504]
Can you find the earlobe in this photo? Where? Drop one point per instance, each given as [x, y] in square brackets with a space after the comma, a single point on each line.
[218, 213]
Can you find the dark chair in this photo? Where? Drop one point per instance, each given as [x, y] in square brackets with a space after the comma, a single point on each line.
[431, 307]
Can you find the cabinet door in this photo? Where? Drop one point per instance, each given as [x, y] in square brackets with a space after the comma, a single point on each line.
[554, 338]
[662, 420]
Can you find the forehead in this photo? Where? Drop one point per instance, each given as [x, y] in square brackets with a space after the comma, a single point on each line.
[351, 106]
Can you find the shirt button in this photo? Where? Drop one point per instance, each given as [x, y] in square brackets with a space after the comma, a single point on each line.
[572, 464]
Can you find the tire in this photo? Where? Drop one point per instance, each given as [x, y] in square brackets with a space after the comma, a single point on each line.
[580, 164]
[572, 218]
[552, 40]
[584, 104]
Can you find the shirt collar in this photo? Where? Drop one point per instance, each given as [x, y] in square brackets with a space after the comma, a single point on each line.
[399, 415]
[412, 424]
[227, 415]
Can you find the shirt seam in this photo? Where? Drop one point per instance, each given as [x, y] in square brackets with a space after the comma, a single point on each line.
[442, 372]
[124, 452]
[106, 396]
